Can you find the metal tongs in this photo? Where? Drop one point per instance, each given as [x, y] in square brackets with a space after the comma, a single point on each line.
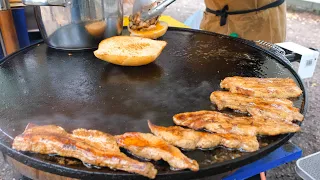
[150, 8]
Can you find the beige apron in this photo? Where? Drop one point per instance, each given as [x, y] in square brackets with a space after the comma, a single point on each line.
[268, 25]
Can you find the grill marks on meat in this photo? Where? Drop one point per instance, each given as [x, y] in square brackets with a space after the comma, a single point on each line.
[262, 87]
[273, 127]
[97, 139]
[148, 146]
[221, 123]
[214, 122]
[89, 146]
[267, 108]
[185, 138]
[191, 139]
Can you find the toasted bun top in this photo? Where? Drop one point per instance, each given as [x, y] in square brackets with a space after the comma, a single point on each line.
[126, 50]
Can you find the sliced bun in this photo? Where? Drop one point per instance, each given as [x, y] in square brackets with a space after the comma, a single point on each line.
[129, 51]
[153, 32]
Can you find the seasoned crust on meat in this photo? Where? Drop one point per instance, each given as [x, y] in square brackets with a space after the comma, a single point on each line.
[148, 146]
[267, 108]
[217, 122]
[191, 139]
[89, 146]
[262, 87]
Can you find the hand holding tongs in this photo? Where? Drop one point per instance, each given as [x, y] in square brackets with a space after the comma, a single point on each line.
[149, 13]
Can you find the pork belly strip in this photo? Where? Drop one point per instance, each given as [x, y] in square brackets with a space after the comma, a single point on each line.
[267, 108]
[221, 123]
[262, 87]
[148, 146]
[191, 139]
[89, 146]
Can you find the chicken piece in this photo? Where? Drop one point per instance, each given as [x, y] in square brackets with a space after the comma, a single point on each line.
[214, 122]
[211, 120]
[97, 139]
[243, 143]
[185, 138]
[262, 87]
[273, 127]
[148, 146]
[191, 139]
[267, 108]
[267, 127]
[89, 146]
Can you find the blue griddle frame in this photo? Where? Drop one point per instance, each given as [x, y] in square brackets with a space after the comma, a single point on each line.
[285, 154]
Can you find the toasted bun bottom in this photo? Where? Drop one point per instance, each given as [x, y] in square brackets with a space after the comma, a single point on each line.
[125, 60]
[160, 29]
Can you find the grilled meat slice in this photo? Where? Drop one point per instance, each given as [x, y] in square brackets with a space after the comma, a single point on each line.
[273, 127]
[267, 108]
[89, 146]
[191, 139]
[148, 146]
[245, 143]
[267, 127]
[97, 139]
[262, 87]
[214, 122]
[217, 122]
[185, 138]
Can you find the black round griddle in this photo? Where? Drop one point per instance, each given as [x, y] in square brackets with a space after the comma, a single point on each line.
[45, 86]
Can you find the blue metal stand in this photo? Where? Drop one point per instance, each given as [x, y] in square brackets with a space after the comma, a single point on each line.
[286, 153]
[21, 26]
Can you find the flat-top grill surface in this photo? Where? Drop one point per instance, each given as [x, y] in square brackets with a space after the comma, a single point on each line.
[76, 90]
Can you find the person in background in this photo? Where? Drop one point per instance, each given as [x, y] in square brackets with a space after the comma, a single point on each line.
[249, 19]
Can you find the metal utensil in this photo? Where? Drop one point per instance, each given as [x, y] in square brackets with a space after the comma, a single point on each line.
[147, 12]
[140, 5]
[77, 24]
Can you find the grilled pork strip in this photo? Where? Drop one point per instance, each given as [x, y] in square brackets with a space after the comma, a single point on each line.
[89, 146]
[262, 87]
[221, 123]
[191, 139]
[267, 108]
[214, 122]
[148, 146]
